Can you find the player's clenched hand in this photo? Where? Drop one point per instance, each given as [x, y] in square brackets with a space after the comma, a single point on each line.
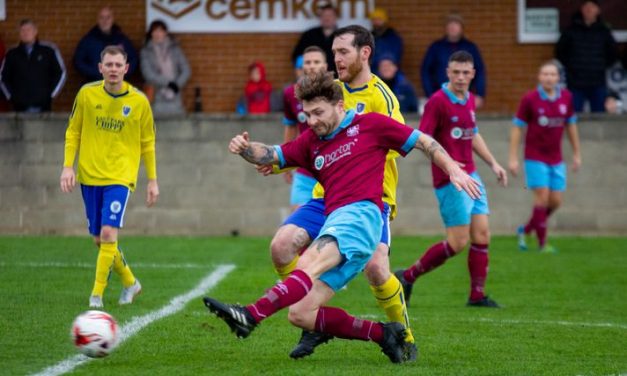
[500, 173]
[462, 181]
[239, 143]
[68, 179]
[152, 193]
[265, 170]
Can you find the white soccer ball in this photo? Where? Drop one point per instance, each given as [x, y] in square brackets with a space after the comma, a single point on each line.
[95, 333]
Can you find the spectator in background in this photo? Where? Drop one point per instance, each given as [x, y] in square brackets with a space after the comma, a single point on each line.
[320, 36]
[105, 33]
[435, 62]
[387, 42]
[165, 69]
[258, 90]
[586, 49]
[400, 85]
[33, 72]
[616, 101]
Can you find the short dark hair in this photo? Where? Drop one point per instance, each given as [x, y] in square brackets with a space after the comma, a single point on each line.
[27, 21]
[327, 6]
[461, 57]
[113, 50]
[363, 37]
[156, 24]
[320, 85]
[315, 49]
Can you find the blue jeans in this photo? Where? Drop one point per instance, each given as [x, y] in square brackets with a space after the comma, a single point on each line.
[595, 94]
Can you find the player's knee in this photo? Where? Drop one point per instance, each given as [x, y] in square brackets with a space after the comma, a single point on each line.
[377, 271]
[108, 234]
[458, 243]
[482, 236]
[281, 250]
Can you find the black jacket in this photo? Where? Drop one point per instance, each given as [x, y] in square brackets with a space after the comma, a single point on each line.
[32, 80]
[316, 37]
[586, 51]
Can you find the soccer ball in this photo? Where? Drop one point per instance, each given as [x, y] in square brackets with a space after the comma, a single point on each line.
[95, 333]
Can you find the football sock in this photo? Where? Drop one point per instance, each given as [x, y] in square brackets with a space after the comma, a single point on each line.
[541, 228]
[478, 268]
[283, 294]
[536, 214]
[104, 263]
[390, 297]
[286, 270]
[338, 323]
[121, 268]
[434, 257]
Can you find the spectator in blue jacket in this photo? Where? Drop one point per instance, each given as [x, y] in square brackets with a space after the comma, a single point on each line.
[387, 42]
[105, 33]
[400, 85]
[433, 70]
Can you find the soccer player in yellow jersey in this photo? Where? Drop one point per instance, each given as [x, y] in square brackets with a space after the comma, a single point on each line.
[111, 126]
[364, 92]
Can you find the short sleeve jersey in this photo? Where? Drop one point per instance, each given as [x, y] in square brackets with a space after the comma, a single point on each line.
[451, 122]
[545, 118]
[349, 163]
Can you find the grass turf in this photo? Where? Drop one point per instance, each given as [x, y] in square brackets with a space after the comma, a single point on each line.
[564, 314]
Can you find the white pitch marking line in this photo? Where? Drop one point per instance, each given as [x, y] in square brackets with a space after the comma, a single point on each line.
[138, 323]
[556, 323]
[84, 265]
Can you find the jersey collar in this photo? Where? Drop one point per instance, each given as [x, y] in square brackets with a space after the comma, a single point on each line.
[452, 97]
[545, 97]
[361, 88]
[348, 119]
[123, 92]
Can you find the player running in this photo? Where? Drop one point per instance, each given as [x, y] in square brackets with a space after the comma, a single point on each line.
[111, 125]
[450, 118]
[343, 150]
[546, 111]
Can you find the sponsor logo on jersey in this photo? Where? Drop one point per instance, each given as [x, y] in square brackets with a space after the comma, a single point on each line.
[126, 110]
[109, 124]
[330, 158]
[360, 107]
[543, 121]
[319, 162]
[353, 131]
[462, 133]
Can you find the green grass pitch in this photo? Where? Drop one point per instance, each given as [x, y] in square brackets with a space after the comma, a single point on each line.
[564, 314]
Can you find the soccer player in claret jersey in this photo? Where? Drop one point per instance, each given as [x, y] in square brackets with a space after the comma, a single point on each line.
[450, 118]
[314, 60]
[364, 92]
[343, 150]
[545, 111]
[111, 126]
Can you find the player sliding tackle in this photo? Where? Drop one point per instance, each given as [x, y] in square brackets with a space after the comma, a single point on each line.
[346, 153]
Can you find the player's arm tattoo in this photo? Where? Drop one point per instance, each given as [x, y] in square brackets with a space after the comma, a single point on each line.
[258, 153]
[322, 241]
[430, 147]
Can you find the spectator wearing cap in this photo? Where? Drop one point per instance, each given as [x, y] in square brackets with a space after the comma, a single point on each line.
[387, 42]
[435, 62]
[105, 33]
[321, 36]
[33, 72]
[165, 68]
[586, 48]
[398, 83]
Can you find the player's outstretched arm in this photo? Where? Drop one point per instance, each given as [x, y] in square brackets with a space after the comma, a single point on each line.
[436, 153]
[253, 152]
[573, 137]
[479, 146]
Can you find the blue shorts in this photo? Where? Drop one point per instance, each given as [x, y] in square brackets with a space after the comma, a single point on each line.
[104, 206]
[310, 217]
[302, 186]
[357, 229]
[543, 175]
[457, 208]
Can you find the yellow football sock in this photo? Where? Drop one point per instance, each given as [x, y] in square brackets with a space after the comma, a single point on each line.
[390, 297]
[121, 268]
[285, 271]
[106, 255]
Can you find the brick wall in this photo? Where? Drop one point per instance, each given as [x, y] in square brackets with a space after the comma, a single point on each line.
[219, 61]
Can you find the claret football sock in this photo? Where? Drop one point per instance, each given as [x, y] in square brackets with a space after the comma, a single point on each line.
[478, 268]
[339, 323]
[286, 270]
[283, 294]
[106, 256]
[434, 257]
[390, 297]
